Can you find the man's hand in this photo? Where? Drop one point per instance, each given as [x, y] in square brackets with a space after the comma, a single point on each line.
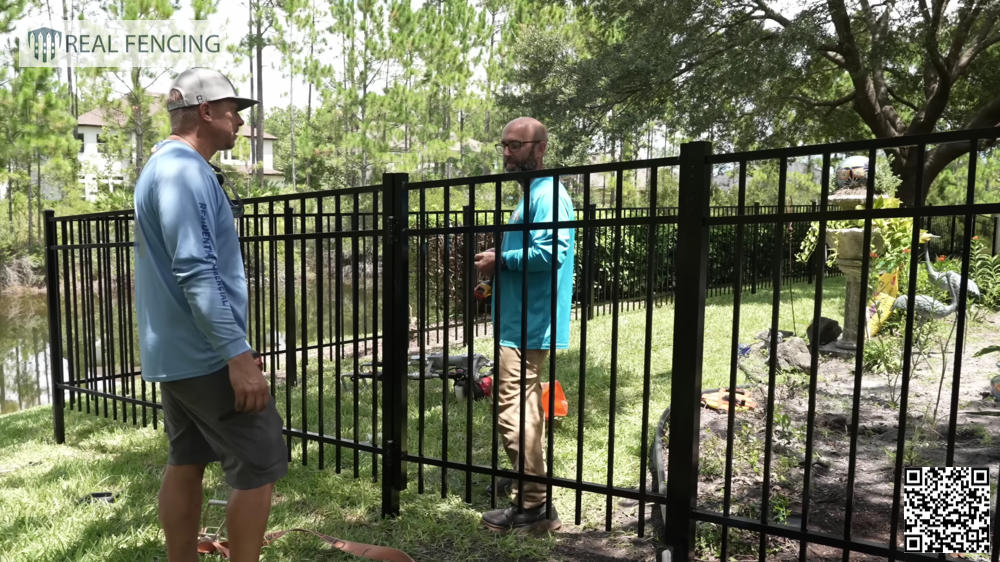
[249, 384]
[486, 263]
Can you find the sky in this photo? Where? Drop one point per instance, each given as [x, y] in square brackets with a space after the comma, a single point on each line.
[278, 88]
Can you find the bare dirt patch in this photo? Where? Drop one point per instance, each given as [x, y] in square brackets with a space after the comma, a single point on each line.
[874, 438]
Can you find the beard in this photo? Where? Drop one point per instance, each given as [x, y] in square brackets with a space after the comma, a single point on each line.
[529, 164]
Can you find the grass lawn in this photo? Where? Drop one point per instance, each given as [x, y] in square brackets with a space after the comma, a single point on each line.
[43, 518]
[41, 483]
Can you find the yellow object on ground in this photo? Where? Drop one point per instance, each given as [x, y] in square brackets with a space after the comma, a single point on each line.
[719, 400]
[880, 307]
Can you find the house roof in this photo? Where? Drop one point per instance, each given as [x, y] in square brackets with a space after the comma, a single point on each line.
[100, 117]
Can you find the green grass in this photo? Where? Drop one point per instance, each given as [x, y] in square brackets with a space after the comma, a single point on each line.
[41, 482]
[42, 520]
[623, 351]
[755, 317]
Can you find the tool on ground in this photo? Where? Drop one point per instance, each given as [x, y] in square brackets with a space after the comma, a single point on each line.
[483, 290]
[482, 387]
[719, 400]
[99, 497]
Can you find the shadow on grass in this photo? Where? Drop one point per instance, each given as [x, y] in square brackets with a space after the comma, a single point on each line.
[45, 520]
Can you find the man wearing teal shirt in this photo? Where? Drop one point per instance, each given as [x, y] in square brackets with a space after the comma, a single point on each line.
[523, 280]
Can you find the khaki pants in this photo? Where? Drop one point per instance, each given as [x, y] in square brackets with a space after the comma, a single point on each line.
[509, 417]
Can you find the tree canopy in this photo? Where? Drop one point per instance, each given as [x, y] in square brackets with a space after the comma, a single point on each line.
[759, 73]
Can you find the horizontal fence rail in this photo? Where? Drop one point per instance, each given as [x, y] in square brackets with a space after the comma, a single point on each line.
[362, 305]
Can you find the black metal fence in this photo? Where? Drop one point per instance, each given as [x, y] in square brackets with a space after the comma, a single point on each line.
[952, 232]
[353, 292]
[844, 530]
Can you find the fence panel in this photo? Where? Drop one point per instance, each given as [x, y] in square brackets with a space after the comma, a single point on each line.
[454, 448]
[785, 508]
[329, 271]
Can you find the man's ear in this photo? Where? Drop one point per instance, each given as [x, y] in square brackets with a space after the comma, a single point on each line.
[542, 147]
[205, 111]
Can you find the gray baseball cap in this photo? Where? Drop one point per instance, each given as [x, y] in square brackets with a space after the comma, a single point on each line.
[200, 85]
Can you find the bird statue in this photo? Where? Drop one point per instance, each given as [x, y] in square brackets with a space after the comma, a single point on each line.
[948, 280]
[926, 307]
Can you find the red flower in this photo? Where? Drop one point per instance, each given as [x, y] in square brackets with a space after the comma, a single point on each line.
[976, 237]
[874, 255]
[942, 258]
[906, 250]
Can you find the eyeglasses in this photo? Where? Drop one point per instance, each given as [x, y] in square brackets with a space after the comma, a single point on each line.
[512, 145]
[235, 203]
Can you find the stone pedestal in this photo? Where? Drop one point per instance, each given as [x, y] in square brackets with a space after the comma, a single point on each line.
[848, 243]
[849, 255]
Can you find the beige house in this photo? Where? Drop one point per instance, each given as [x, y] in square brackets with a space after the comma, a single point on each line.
[97, 172]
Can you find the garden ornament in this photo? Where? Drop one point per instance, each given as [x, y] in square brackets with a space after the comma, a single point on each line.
[852, 172]
[926, 307]
[948, 280]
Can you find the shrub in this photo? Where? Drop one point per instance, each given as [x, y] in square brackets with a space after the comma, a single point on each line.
[984, 269]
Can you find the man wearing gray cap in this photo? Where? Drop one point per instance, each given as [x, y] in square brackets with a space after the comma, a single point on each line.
[191, 307]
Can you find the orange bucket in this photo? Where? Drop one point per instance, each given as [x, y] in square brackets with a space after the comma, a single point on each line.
[562, 405]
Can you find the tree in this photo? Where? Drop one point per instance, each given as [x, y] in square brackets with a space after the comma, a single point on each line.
[262, 15]
[764, 73]
[37, 149]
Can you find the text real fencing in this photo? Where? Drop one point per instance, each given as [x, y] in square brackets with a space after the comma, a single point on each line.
[123, 43]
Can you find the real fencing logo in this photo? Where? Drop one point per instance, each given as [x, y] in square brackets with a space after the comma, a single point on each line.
[43, 43]
[124, 43]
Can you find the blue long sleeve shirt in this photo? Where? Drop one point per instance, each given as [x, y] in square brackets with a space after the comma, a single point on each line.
[536, 265]
[190, 285]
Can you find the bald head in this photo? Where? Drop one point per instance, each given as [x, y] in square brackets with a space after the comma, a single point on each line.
[530, 138]
[529, 125]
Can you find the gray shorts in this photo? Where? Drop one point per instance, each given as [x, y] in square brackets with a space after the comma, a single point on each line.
[203, 427]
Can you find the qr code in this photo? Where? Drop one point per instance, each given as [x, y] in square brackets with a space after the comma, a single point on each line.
[946, 510]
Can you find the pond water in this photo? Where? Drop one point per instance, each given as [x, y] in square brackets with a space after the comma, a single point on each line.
[24, 352]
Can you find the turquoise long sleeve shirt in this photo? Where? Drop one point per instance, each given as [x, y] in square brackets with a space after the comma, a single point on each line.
[536, 264]
[190, 285]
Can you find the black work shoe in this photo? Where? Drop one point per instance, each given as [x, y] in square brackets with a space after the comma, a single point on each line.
[527, 519]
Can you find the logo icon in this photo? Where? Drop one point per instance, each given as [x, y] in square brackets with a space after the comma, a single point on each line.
[44, 42]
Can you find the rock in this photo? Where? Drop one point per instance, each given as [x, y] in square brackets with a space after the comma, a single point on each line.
[765, 335]
[829, 330]
[793, 353]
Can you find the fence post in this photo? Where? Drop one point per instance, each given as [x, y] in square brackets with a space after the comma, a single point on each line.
[951, 244]
[996, 234]
[469, 273]
[55, 329]
[753, 251]
[589, 234]
[395, 336]
[816, 255]
[291, 369]
[689, 326]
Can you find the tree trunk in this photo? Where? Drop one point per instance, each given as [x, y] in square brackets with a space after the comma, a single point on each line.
[259, 126]
[38, 195]
[309, 95]
[67, 15]
[291, 124]
[10, 199]
[253, 86]
[135, 99]
[31, 222]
